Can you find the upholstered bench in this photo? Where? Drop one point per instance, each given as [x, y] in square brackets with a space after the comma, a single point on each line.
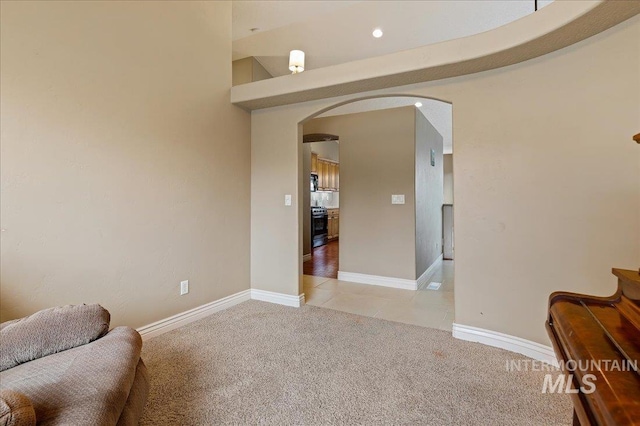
[62, 366]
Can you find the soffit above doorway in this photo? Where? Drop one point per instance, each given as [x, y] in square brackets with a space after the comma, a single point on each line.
[558, 25]
[319, 137]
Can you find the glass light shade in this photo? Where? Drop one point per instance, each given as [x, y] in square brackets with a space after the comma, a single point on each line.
[296, 61]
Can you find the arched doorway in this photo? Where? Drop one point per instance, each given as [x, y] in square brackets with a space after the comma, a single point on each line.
[386, 258]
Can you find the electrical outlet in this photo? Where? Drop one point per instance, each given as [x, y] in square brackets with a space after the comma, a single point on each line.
[287, 200]
[434, 286]
[184, 287]
[397, 199]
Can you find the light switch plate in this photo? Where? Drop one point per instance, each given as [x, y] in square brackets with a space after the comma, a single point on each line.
[184, 287]
[287, 200]
[397, 199]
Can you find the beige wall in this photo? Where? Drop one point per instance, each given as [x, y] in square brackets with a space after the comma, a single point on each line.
[329, 149]
[547, 180]
[276, 167]
[305, 184]
[124, 167]
[248, 70]
[376, 160]
[242, 71]
[429, 194]
[259, 72]
[448, 179]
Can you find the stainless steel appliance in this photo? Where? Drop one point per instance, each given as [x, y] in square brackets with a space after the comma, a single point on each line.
[314, 182]
[319, 226]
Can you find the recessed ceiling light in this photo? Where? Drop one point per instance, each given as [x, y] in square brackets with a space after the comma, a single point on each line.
[418, 104]
[377, 33]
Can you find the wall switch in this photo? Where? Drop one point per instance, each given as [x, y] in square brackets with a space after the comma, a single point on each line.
[287, 200]
[184, 287]
[397, 199]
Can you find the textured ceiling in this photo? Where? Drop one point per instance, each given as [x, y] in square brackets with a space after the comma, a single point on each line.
[340, 32]
[438, 113]
[558, 25]
[267, 15]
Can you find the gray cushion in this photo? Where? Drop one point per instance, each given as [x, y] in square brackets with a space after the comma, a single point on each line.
[86, 385]
[50, 331]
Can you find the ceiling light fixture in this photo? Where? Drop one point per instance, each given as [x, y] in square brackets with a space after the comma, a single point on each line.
[296, 61]
[418, 104]
[377, 33]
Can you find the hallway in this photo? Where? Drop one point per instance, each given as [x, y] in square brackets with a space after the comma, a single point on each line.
[324, 261]
[426, 308]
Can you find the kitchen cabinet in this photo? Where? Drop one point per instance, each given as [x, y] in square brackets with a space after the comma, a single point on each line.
[332, 176]
[328, 174]
[327, 182]
[314, 162]
[320, 174]
[326, 179]
[333, 223]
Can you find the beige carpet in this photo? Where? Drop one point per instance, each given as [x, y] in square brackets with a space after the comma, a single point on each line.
[259, 363]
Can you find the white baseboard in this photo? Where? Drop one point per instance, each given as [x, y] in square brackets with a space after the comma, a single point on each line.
[505, 341]
[306, 257]
[165, 325]
[401, 283]
[176, 321]
[425, 275]
[279, 298]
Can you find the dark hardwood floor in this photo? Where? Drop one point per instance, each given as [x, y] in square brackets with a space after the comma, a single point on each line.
[324, 261]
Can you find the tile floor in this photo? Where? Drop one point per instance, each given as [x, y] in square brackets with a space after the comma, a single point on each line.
[427, 308]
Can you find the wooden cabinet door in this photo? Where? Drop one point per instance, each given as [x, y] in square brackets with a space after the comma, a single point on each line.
[332, 176]
[330, 227]
[328, 173]
[325, 174]
[320, 174]
[334, 223]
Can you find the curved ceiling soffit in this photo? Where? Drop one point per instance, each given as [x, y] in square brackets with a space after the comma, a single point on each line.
[369, 97]
[558, 25]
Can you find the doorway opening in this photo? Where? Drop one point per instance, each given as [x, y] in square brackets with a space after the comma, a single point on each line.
[321, 162]
[383, 184]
